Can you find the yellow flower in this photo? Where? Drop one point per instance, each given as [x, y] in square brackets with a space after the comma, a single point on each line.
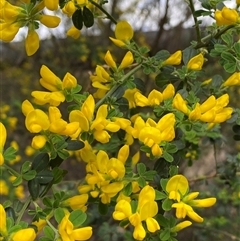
[180, 104]
[181, 226]
[3, 188]
[69, 81]
[27, 234]
[38, 142]
[8, 31]
[77, 202]
[174, 59]
[177, 186]
[50, 21]
[73, 32]
[69, 8]
[234, 79]
[123, 33]
[3, 137]
[3, 224]
[109, 60]
[51, 4]
[196, 62]
[129, 95]
[226, 16]
[127, 60]
[32, 42]
[69, 233]
[147, 208]
[177, 189]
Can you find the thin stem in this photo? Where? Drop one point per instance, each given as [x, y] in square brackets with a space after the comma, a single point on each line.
[197, 28]
[53, 228]
[111, 91]
[205, 40]
[104, 11]
[12, 171]
[27, 202]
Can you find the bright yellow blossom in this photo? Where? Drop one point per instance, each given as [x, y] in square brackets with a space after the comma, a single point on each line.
[123, 33]
[196, 62]
[26, 234]
[3, 137]
[3, 224]
[69, 233]
[226, 16]
[174, 59]
[177, 189]
[146, 210]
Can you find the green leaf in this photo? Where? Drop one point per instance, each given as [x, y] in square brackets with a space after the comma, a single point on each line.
[77, 217]
[162, 55]
[40, 162]
[17, 181]
[88, 18]
[188, 53]
[163, 183]
[74, 145]
[29, 175]
[141, 182]
[34, 188]
[230, 67]
[201, 12]
[127, 191]
[228, 56]
[167, 204]
[141, 168]
[49, 232]
[44, 176]
[47, 201]
[167, 156]
[163, 222]
[26, 166]
[164, 235]
[159, 195]
[63, 154]
[45, 239]
[77, 19]
[173, 170]
[59, 214]
[9, 154]
[227, 38]
[236, 47]
[220, 48]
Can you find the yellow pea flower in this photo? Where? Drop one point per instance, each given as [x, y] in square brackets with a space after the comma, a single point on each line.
[168, 92]
[27, 234]
[127, 60]
[51, 4]
[49, 80]
[109, 60]
[3, 224]
[3, 188]
[69, 81]
[68, 232]
[3, 137]
[38, 142]
[69, 8]
[174, 59]
[181, 226]
[73, 32]
[76, 202]
[226, 16]
[180, 104]
[32, 42]
[50, 21]
[177, 186]
[123, 33]
[36, 121]
[196, 62]
[234, 79]
[8, 31]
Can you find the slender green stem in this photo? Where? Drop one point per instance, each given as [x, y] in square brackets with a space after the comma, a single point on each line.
[205, 40]
[12, 171]
[104, 11]
[197, 28]
[22, 211]
[53, 228]
[111, 91]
